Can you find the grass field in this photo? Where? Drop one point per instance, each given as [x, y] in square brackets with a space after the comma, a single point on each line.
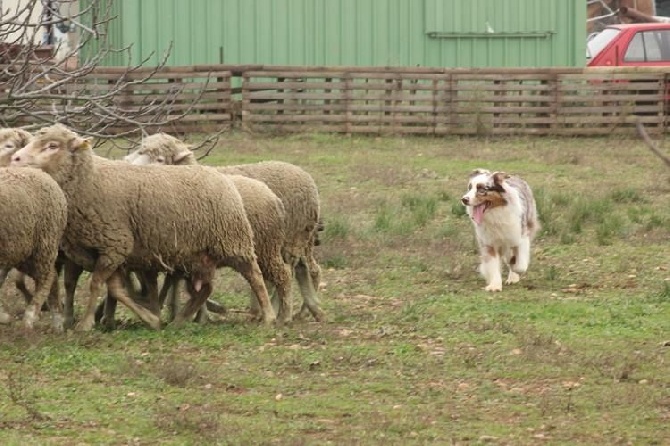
[414, 351]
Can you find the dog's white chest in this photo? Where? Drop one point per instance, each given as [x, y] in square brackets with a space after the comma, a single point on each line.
[501, 226]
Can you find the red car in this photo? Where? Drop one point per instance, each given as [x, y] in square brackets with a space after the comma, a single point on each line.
[630, 45]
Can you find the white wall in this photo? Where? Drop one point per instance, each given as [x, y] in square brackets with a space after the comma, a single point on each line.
[10, 29]
[12, 32]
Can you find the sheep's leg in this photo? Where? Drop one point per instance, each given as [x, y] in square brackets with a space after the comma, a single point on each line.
[215, 307]
[171, 285]
[254, 307]
[198, 297]
[115, 285]
[252, 273]
[98, 278]
[282, 285]
[43, 284]
[202, 315]
[71, 274]
[105, 313]
[55, 304]
[149, 290]
[104, 269]
[311, 302]
[170, 291]
[5, 318]
[168, 285]
[20, 284]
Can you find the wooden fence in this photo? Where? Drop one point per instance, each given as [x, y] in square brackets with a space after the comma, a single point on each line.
[376, 100]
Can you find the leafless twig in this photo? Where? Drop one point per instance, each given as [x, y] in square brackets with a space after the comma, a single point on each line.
[36, 90]
[652, 146]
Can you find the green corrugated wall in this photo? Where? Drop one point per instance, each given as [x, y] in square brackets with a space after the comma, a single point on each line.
[443, 33]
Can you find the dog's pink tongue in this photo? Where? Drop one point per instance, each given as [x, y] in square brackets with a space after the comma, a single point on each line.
[478, 213]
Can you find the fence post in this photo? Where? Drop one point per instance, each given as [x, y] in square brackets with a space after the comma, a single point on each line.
[246, 102]
[555, 99]
[347, 102]
[451, 95]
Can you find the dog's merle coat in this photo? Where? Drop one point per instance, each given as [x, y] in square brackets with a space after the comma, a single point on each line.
[503, 211]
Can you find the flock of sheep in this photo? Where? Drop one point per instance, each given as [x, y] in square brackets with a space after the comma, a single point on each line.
[65, 210]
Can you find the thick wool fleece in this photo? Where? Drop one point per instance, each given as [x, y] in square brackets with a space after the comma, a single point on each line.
[33, 216]
[266, 216]
[294, 187]
[158, 218]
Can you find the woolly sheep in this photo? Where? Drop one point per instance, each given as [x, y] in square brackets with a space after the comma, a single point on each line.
[266, 216]
[11, 140]
[295, 188]
[122, 218]
[33, 216]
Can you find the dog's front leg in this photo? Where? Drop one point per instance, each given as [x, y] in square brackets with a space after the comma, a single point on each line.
[490, 269]
[511, 259]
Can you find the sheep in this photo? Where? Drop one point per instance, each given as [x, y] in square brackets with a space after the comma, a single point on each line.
[124, 218]
[266, 216]
[11, 140]
[296, 189]
[33, 216]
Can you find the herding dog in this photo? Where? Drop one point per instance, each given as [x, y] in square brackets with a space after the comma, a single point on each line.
[503, 211]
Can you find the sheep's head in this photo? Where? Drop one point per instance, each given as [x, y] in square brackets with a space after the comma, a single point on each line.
[164, 149]
[11, 140]
[50, 148]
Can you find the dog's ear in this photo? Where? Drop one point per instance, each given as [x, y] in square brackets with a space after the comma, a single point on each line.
[478, 171]
[498, 179]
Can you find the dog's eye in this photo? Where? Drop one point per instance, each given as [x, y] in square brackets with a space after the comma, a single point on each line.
[469, 186]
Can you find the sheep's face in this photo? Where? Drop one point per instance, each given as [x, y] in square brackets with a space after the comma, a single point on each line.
[11, 140]
[162, 149]
[161, 156]
[49, 149]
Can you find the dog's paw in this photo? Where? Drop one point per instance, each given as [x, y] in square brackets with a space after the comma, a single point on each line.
[493, 288]
[512, 278]
[520, 268]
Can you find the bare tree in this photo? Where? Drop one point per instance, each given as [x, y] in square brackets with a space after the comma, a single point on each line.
[40, 84]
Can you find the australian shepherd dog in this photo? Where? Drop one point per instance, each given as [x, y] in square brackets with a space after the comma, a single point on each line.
[503, 211]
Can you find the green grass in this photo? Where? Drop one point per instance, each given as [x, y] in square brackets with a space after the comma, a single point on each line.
[414, 351]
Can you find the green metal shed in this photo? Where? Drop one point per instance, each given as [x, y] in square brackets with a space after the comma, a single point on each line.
[436, 33]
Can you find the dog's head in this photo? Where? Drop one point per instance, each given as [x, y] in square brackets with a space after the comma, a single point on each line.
[486, 190]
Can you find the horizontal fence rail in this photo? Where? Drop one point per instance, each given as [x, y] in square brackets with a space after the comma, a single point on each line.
[380, 100]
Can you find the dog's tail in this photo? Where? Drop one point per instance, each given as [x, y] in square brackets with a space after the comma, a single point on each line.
[647, 140]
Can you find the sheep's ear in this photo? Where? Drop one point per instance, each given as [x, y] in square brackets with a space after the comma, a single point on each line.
[478, 171]
[79, 143]
[185, 156]
[24, 137]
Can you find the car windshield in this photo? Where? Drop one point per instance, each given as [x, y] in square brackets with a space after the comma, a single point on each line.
[600, 41]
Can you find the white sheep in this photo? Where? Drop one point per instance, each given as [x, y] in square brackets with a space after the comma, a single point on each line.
[33, 216]
[191, 221]
[11, 140]
[265, 212]
[296, 189]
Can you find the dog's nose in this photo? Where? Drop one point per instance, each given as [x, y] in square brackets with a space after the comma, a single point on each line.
[465, 200]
